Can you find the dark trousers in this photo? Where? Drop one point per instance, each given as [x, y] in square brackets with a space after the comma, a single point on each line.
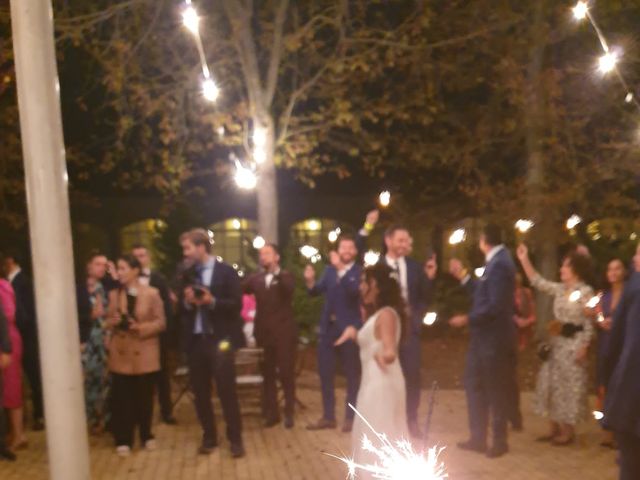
[411, 360]
[486, 382]
[31, 367]
[349, 355]
[163, 382]
[279, 363]
[515, 414]
[629, 447]
[206, 363]
[131, 407]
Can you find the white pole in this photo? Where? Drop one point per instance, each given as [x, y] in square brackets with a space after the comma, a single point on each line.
[50, 230]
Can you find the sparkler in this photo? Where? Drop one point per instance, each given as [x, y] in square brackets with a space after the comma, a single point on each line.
[598, 415]
[395, 460]
[607, 62]
[334, 234]
[575, 296]
[371, 258]
[524, 225]
[259, 242]
[384, 198]
[308, 251]
[458, 236]
[479, 272]
[430, 318]
[593, 301]
[573, 221]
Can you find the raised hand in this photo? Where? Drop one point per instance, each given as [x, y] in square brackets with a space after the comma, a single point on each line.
[372, 217]
[459, 321]
[522, 252]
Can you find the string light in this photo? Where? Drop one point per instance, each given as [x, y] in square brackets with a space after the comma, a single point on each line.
[581, 10]
[608, 62]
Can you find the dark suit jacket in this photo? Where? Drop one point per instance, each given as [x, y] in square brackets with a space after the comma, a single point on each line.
[5, 339]
[159, 282]
[25, 307]
[491, 324]
[223, 321]
[622, 364]
[274, 321]
[342, 298]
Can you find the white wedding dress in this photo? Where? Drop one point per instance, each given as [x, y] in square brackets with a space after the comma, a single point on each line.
[381, 398]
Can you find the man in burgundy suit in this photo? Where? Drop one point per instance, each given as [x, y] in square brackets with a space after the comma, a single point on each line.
[275, 331]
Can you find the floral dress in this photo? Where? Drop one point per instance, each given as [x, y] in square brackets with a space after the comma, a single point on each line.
[94, 363]
[561, 389]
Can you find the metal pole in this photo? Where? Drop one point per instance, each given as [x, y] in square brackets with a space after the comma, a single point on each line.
[50, 230]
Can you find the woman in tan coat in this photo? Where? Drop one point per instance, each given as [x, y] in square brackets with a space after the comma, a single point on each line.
[136, 318]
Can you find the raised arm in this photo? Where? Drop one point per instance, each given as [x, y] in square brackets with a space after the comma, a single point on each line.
[537, 281]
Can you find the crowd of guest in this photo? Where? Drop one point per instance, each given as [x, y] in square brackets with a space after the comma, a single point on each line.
[126, 310]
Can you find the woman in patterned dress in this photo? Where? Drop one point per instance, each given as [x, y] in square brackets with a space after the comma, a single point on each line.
[561, 389]
[94, 356]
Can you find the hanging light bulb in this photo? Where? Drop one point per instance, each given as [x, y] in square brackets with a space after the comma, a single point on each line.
[581, 10]
[190, 19]
[210, 90]
[607, 62]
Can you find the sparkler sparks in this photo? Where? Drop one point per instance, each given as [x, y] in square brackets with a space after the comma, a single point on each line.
[575, 296]
[430, 318]
[371, 258]
[395, 460]
[385, 198]
[458, 236]
[524, 225]
[573, 221]
[581, 10]
[607, 62]
[479, 272]
[593, 301]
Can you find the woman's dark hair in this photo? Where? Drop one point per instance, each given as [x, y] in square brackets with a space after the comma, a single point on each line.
[130, 260]
[624, 269]
[389, 293]
[581, 266]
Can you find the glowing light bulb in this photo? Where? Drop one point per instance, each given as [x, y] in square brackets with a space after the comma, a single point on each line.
[236, 224]
[573, 221]
[458, 236]
[581, 10]
[259, 242]
[371, 258]
[575, 296]
[384, 198]
[210, 90]
[190, 19]
[607, 62]
[430, 318]
[524, 225]
[245, 178]
[314, 225]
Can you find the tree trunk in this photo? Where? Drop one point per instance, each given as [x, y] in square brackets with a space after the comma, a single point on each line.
[267, 188]
[544, 238]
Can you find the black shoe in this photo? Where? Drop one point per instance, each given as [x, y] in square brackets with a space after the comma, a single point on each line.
[497, 451]
[272, 422]
[38, 425]
[414, 430]
[288, 423]
[471, 446]
[7, 455]
[170, 420]
[237, 450]
[322, 424]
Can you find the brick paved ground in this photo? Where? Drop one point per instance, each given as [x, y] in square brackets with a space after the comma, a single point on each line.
[297, 454]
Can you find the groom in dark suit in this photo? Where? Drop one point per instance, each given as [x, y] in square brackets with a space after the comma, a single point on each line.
[276, 333]
[622, 372]
[211, 304]
[492, 346]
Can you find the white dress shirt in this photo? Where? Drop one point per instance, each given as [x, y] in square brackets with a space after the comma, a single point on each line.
[268, 278]
[145, 276]
[343, 271]
[400, 265]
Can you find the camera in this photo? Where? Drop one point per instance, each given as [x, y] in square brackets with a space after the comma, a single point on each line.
[198, 291]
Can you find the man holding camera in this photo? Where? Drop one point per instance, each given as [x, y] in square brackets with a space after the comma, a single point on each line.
[275, 332]
[211, 304]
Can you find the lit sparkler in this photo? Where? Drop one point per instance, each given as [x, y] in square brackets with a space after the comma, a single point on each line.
[573, 221]
[430, 318]
[524, 225]
[259, 242]
[581, 10]
[458, 236]
[607, 62]
[395, 460]
[479, 272]
[575, 296]
[309, 251]
[593, 301]
[384, 198]
[598, 415]
[371, 258]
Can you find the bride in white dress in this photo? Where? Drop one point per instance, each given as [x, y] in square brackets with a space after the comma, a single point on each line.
[382, 397]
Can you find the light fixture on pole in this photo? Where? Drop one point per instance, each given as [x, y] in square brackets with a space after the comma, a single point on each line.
[607, 62]
[581, 10]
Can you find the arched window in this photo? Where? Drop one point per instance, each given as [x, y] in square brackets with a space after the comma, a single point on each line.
[233, 241]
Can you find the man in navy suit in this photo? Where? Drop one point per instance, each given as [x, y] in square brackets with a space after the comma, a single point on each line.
[211, 304]
[622, 372]
[416, 284]
[492, 346]
[340, 286]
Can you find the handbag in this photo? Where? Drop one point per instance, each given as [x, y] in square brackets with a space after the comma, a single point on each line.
[544, 351]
